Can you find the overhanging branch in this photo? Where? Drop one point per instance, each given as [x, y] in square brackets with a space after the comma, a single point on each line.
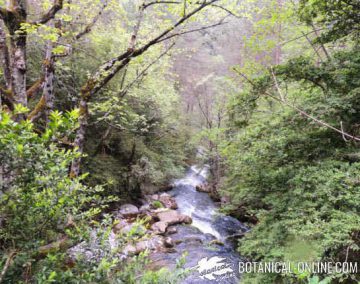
[160, 2]
[89, 27]
[58, 5]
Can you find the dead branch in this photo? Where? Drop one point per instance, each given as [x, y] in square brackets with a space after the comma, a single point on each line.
[8, 262]
[277, 85]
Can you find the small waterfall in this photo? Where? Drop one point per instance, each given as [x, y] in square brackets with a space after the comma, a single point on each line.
[196, 204]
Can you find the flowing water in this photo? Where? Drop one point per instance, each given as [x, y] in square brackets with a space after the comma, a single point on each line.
[211, 252]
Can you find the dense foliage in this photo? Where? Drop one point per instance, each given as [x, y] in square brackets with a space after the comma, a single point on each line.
[290, 168]
[103, 102]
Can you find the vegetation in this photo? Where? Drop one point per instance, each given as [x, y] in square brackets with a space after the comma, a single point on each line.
[292, 157]
[105, 102]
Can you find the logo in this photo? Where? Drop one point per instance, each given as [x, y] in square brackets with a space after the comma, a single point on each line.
[215, 268]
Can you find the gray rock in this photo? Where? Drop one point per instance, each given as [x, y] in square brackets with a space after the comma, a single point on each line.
[120, 225]
[171, 230]
[129, 250]
[128, 210]
[154, 197]
[159, 227]
[173, 217]
[153, 244]
[168, 201]
[168, 242]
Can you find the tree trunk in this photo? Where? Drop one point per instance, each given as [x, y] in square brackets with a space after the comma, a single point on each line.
[4, 56]
[48, 89]
[18, 69]
[18, 51]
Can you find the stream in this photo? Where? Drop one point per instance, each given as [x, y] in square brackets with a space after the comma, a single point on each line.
[211, 251]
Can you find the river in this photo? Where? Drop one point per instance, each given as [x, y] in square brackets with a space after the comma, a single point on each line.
[211, 253]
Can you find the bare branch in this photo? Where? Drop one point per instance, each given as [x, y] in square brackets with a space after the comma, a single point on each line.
[192, 31]
[299, 37]
[313, 47]
[134, 35]
[8, 262]
[143, 72]
[321, 44]
[89, 27]
[277, 85]
[58, 5]
[160, 2]
[227, 11]
[342, 129]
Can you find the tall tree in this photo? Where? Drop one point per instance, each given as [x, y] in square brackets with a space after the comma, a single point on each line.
[15, 18]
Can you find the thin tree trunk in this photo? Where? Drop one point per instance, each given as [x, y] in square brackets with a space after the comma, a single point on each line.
[18, 68]
[48, 89]
[4, 56]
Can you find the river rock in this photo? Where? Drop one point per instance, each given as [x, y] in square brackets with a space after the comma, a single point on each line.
[168, 201]
[120, 225]
[168, 242]
[128, 210]
[159, 227]
[203, 187]
[129, 250]
[154, 243]
[154, 197]
[172, 217]
[144, 208]
[216, 242]
[171, 230]
[167, 187]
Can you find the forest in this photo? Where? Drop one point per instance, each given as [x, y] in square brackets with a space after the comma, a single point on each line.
[150, 141]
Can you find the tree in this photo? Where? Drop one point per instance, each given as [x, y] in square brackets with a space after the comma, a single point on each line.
[15, 18]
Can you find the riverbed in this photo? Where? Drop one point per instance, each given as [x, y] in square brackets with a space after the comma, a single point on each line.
[209, 243]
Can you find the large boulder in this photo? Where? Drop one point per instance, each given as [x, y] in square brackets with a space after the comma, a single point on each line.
[172, 217]
[168, 201]
[128, 210]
